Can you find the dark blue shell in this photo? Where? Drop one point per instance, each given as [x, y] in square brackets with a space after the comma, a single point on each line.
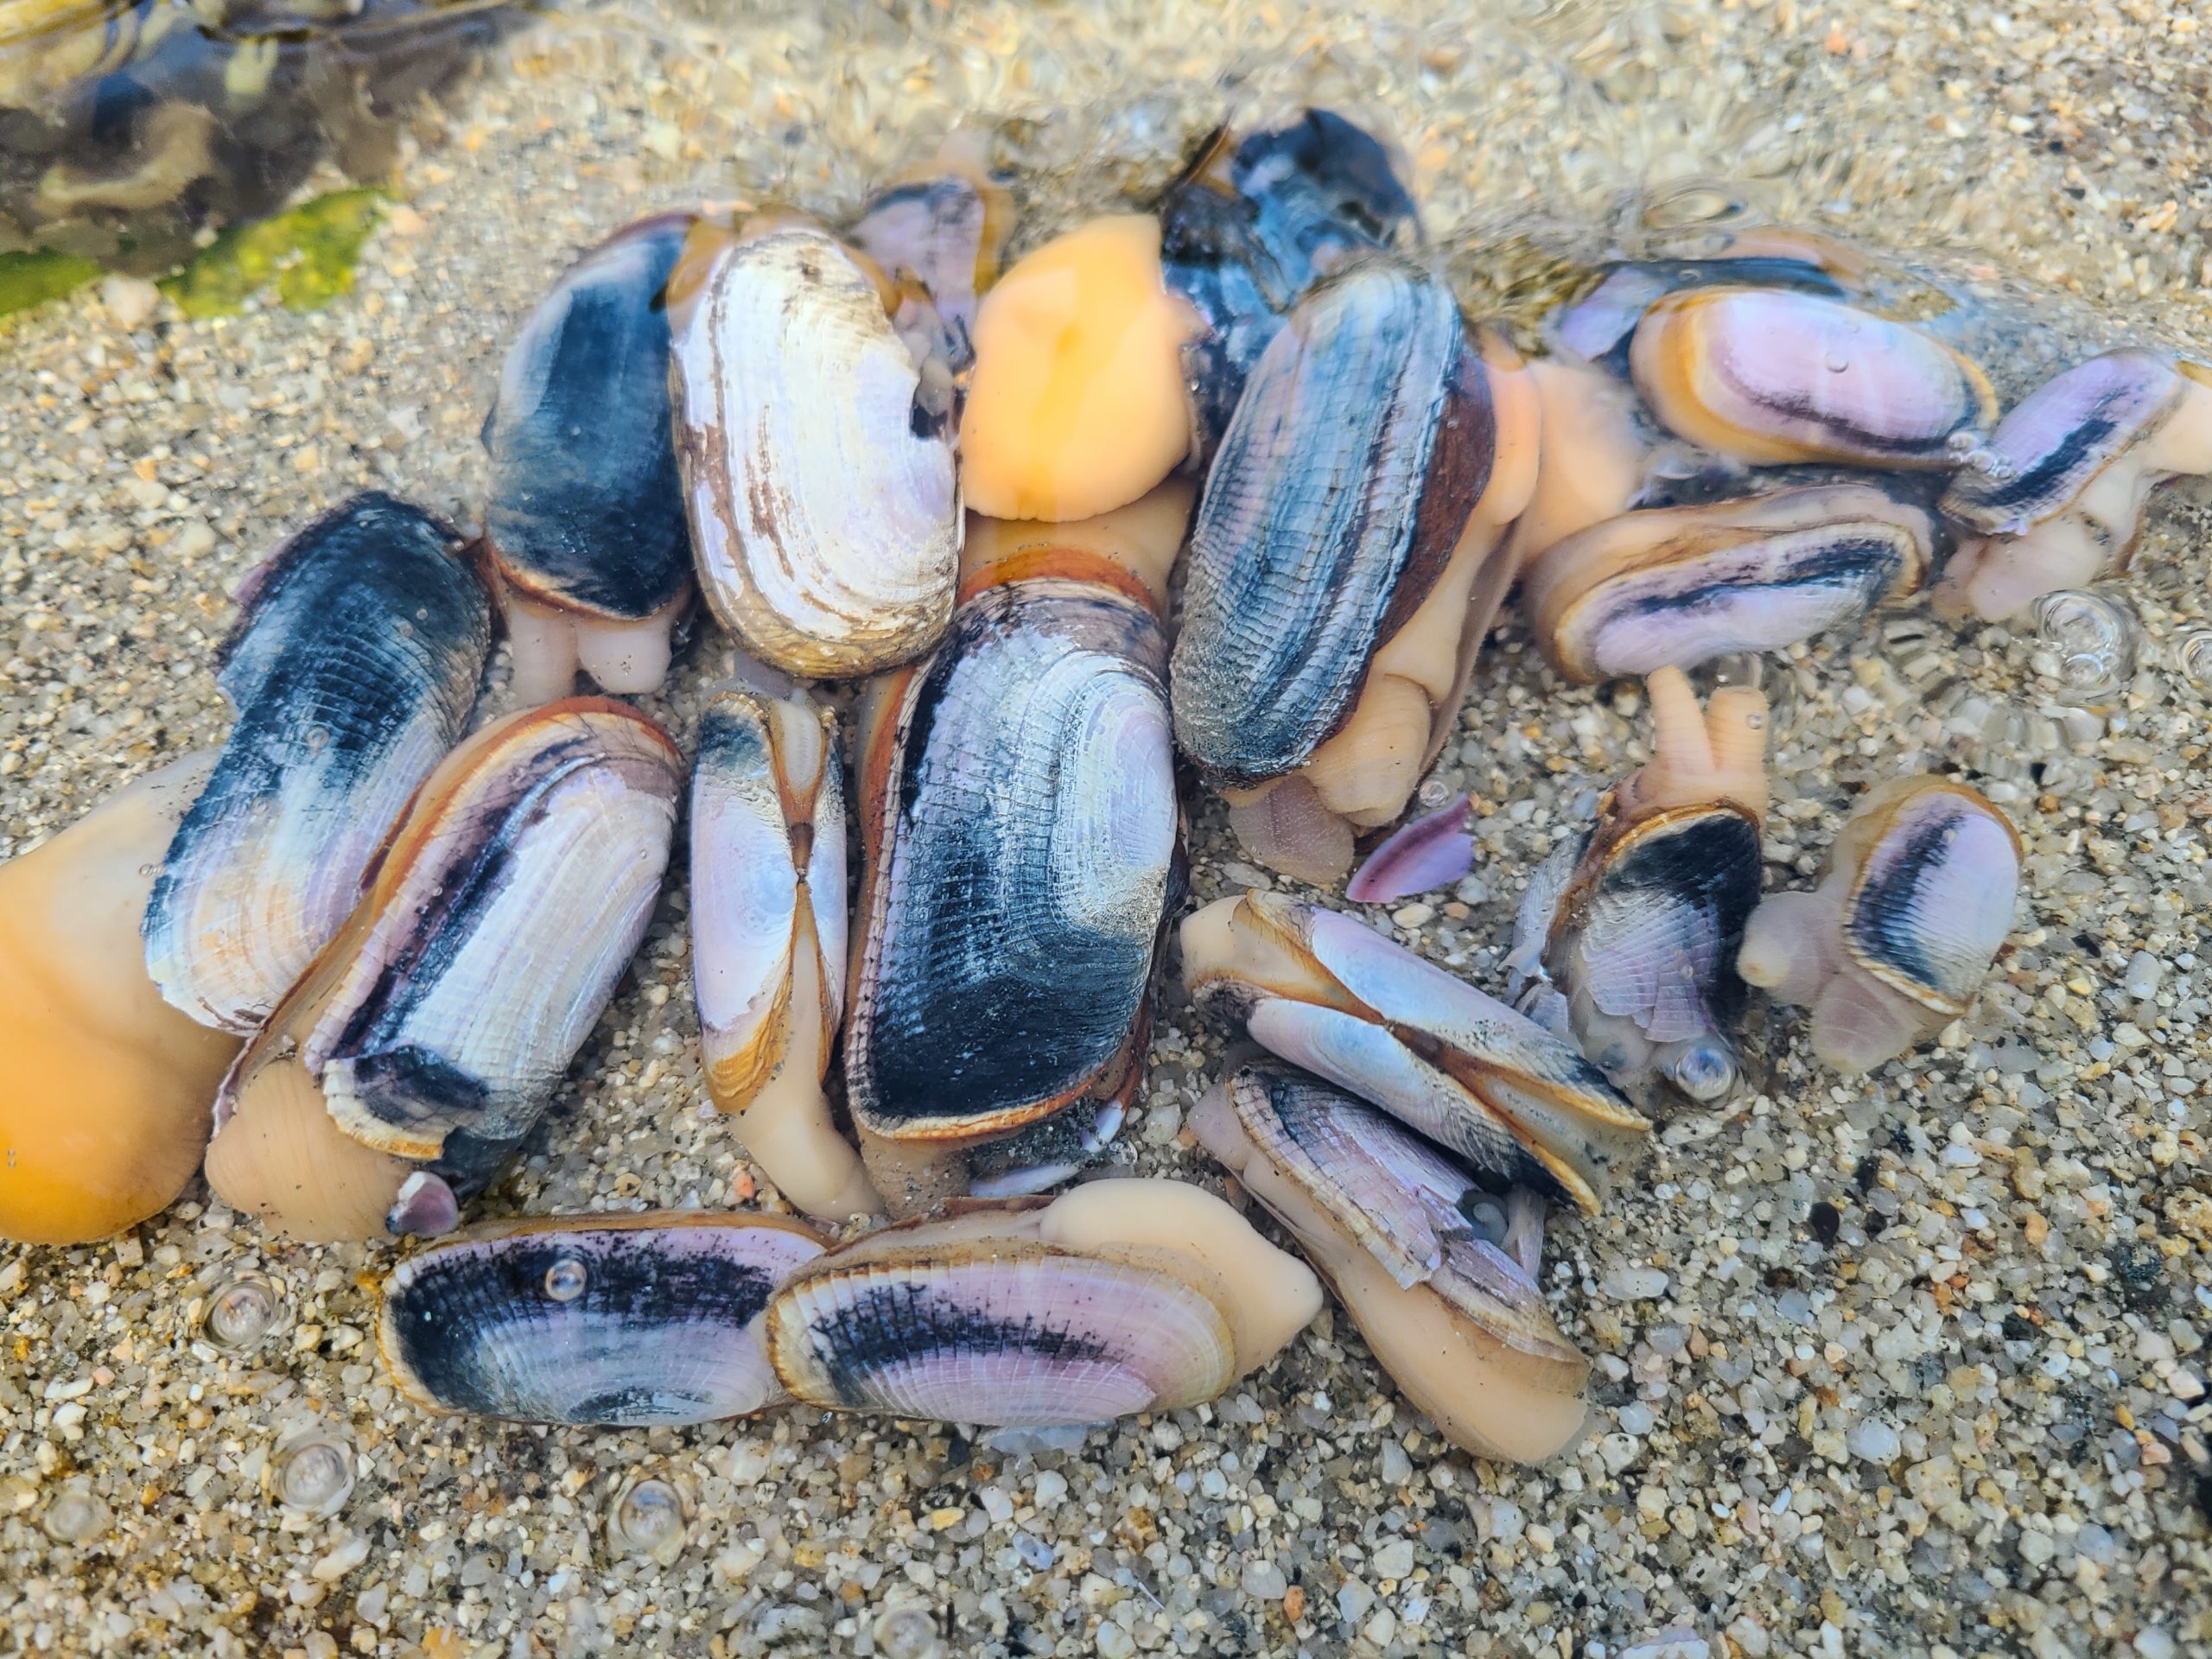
[354, 666]
[586, 509]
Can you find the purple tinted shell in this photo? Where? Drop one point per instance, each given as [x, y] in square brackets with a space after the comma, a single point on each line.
[1431, 851]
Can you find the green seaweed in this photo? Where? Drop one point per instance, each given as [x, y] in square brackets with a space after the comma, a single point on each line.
[310, 252]
[28, 279]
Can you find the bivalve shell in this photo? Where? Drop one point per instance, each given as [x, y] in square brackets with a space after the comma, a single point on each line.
[616, 1321]
[353, 665]
[430, 1034]
[1122, 1296]
[1330, 994]
[1023, 845]
[585, 519]
[768, 936]
[817, 466]
[2079, 458]
[1341, 573]
[1769, 375]
[1913, 907]
[939, 234]
[1678, 586]
[1428, 1263]
[1637, 923]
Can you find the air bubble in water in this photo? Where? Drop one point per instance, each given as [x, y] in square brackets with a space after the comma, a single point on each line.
[75, 1513]
[650, 1518]
[565, 1280]
[907, 1632]
[2089, 643]
[311, 1472]
[1757, 671]
[240, 1313]
[2193, 652]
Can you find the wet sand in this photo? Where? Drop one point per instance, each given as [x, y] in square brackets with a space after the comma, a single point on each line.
[1961, 1409]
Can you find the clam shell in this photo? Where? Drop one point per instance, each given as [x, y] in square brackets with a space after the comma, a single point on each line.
[767, 839]
[1475, 1349]
[2060, 437]
[1656, 928]
[1362, 443]
[1932, 900]
[1770, 375]
[1681, 586]
[1255, 220]
[502, 915]
[1412, 1209]
[824, 513]
[943, 232]
[586, 510]
[1022, 837]
[1005, 1331]
[1598, 325]
[614, 1321]
[1330, 994]
[353, 666]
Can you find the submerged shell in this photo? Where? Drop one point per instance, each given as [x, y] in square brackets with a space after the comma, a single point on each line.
[768, 923]
[767, 840]
[436, 1024]
[1254, 222]
[2060, 437]
[1329, 994]
[616, 1321]
[1023, 832]
[1434, 1271]
[1639, 924]
[586, 509]
[1363, 442]
[1418, 1213]
[819, 479]
[1933, 898]
[1009, 1333]
[1769, 375]
[353, 666]
[941, 231]
[1681, 586]
[1121, 1295]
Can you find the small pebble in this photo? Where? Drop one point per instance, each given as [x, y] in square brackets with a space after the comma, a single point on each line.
[1263, 1580]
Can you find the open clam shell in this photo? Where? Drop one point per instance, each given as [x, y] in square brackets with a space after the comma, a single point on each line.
[1120, 1297]
[1769, 375]
[430, 1035]
[1680, 586]
[104, 1086]
[1339, 571]
[1435, 1270]
[768, 935]
[818, 465]
[1637, 923]
[585, 517]
[1915, 903]
[2079, 458]
[353, 665]
[613, 1321]
[1329, 994]
[1023, 843]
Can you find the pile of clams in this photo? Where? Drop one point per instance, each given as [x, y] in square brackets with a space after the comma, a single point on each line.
[347, 960]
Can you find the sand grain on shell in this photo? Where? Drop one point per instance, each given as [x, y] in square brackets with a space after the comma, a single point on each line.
[1959, 1410]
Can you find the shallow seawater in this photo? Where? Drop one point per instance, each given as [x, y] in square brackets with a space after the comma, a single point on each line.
[1913, 1364]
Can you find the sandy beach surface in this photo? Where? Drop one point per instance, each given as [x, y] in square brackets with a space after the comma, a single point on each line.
[1910, 1365]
